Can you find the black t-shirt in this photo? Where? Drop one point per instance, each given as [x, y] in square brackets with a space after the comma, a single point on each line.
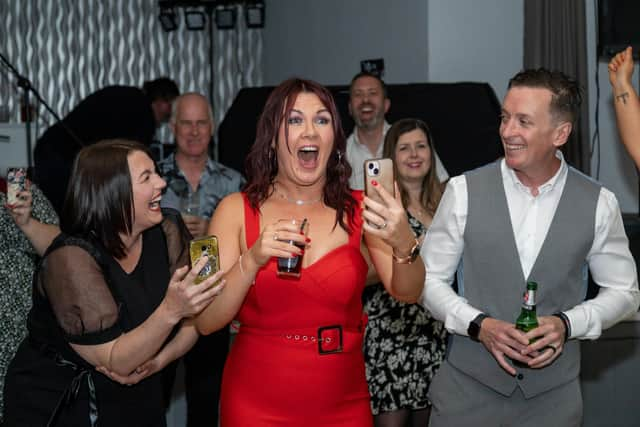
[81, 295]
[111, 112]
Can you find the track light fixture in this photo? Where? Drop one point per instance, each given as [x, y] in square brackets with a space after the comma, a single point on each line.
[225, 17]
[168, 19]
[195, 20]
[254, 14]
[224, 12]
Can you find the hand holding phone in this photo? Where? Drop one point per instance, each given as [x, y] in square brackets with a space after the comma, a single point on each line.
[205, 246]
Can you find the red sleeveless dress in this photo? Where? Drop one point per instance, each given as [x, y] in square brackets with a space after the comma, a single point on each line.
[297, 360]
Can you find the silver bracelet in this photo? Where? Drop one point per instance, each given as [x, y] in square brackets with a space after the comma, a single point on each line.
[240, 264]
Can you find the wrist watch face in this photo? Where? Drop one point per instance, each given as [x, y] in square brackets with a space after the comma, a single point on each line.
[474, 327]
[473, 330]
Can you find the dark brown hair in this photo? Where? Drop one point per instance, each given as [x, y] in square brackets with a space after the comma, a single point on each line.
[566, 93]
[99, 201]
[431, 187]
[261, 164]
[373, 76]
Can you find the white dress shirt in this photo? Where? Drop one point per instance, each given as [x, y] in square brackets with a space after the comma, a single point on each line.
[357, 153]
[609, 259]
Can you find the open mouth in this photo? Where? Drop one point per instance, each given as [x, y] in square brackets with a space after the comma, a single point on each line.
[514, 147]
[154, 205]
[308, 156]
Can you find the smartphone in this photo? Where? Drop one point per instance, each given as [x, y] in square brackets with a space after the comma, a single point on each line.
[380, 170]
[208, 246]
[16, 182]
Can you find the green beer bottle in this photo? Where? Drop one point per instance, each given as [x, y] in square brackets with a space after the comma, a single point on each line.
[527, 320]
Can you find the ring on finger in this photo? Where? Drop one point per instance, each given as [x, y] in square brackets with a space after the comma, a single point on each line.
[275, 236]
[384, 225]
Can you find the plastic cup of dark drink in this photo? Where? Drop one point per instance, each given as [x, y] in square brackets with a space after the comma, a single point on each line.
[291, 267]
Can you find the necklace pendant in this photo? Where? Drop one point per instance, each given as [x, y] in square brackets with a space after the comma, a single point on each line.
[300, 202]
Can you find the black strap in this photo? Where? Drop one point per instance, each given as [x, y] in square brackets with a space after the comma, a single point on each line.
[73, 389]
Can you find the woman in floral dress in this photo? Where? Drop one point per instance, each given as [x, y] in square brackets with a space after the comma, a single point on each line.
[403, 344]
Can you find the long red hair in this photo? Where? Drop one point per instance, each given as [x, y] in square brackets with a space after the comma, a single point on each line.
[261, 164]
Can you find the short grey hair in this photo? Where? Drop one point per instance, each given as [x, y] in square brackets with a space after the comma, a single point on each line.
[176, 102]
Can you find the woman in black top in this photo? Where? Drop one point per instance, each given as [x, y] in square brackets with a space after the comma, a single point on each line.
[113, 292]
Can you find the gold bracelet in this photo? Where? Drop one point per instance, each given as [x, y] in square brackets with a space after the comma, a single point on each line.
[413, 254]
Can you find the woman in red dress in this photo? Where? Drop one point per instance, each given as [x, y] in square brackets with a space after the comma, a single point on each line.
[297, 359]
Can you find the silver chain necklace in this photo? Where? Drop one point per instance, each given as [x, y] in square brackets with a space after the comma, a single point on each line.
[298, 202]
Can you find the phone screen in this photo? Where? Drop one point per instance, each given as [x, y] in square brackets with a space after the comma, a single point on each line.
[205, 246]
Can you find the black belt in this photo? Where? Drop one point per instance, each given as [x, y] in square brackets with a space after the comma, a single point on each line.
[71, 392]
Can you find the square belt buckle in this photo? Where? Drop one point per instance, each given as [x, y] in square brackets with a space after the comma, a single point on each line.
[329, 344]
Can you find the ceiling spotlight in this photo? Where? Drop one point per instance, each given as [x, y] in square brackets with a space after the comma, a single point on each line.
[225, 17]
[194, 19]
[254, 14]
[168, 19]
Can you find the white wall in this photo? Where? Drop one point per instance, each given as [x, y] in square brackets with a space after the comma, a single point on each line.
[420, 40]
[475, 41]
[326, 40]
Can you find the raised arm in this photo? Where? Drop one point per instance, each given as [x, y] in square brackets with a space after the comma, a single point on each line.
[387, 233]
[228, 225]
[241, 263]
[625, 102]
[40, 234]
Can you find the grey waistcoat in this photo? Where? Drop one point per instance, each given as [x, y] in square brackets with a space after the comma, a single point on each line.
[493, 280]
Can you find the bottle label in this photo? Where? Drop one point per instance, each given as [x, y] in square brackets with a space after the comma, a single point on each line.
[529, 299]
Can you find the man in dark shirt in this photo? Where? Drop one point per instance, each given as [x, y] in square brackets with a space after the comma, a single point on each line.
[111, 112]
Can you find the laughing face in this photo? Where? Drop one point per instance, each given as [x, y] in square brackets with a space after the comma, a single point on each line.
[303, 153]
[367, 103]
[147, 191]
[412, 156]
[530, 135]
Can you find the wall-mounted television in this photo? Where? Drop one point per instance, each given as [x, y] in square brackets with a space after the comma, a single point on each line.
[618, 27]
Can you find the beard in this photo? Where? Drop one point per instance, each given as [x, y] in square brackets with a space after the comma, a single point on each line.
[370, 124]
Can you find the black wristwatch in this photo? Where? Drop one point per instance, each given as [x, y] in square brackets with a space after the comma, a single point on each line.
[474, 326]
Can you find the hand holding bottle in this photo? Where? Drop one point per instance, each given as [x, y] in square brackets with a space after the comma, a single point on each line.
[504, 341]
[547, 341]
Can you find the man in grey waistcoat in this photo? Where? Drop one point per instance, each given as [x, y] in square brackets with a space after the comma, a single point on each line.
[528, 216]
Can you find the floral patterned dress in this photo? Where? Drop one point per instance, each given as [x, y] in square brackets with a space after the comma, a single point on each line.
[18, 260]
[403, 348]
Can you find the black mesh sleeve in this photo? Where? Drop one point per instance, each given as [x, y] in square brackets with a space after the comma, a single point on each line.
[75, 285]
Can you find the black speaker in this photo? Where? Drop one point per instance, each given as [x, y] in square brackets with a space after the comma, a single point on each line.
[618, 27]
[464, 119]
